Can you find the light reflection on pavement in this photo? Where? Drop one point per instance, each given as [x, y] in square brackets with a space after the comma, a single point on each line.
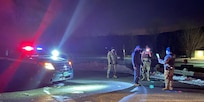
[103, 91]
[156, 95]
[139, 95]
[68, 93]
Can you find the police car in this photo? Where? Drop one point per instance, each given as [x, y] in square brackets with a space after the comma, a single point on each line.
[31, 68]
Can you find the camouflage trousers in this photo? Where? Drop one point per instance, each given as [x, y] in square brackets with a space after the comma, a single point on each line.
[109, 69]
[146, 69]
[168, 77]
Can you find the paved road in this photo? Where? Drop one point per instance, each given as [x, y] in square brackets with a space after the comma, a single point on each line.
[91, 85]
[148, 92]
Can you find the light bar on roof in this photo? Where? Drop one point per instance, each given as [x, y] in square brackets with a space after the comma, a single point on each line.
[28, 48]
[39, 48]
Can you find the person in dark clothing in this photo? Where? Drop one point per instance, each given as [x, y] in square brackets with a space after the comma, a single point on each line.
[136, 62]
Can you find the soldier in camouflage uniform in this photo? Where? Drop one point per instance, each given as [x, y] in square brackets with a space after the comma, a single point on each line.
[146, 61]
[112, 62]
[168, 62]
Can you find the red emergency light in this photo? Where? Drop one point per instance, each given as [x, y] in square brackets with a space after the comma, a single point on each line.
[28, 48]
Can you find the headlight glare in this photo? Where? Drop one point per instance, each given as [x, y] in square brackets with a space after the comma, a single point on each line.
[49, 66]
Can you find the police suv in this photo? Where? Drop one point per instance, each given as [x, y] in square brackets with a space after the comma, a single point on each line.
[29, 67]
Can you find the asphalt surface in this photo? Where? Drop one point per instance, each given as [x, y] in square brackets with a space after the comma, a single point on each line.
[149, 92]
[91, 85]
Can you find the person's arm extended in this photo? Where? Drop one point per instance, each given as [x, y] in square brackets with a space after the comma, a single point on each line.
[165, 61]
[161, 61]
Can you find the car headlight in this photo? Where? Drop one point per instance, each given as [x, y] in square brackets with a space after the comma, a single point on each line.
[49, 66]
[55, 53]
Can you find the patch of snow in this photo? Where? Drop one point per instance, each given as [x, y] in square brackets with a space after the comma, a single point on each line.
[46, 90]
[62, 99]
[182, 79]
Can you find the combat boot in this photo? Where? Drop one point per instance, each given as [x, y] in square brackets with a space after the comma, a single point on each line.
[107, 76]
[165, 88]
[114, 76]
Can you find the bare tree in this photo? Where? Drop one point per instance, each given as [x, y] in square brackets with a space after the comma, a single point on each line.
[193, 38]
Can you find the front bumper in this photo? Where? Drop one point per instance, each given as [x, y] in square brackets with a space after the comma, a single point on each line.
[62, 75]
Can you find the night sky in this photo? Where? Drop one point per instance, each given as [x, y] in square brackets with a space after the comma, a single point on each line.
[60, 19]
